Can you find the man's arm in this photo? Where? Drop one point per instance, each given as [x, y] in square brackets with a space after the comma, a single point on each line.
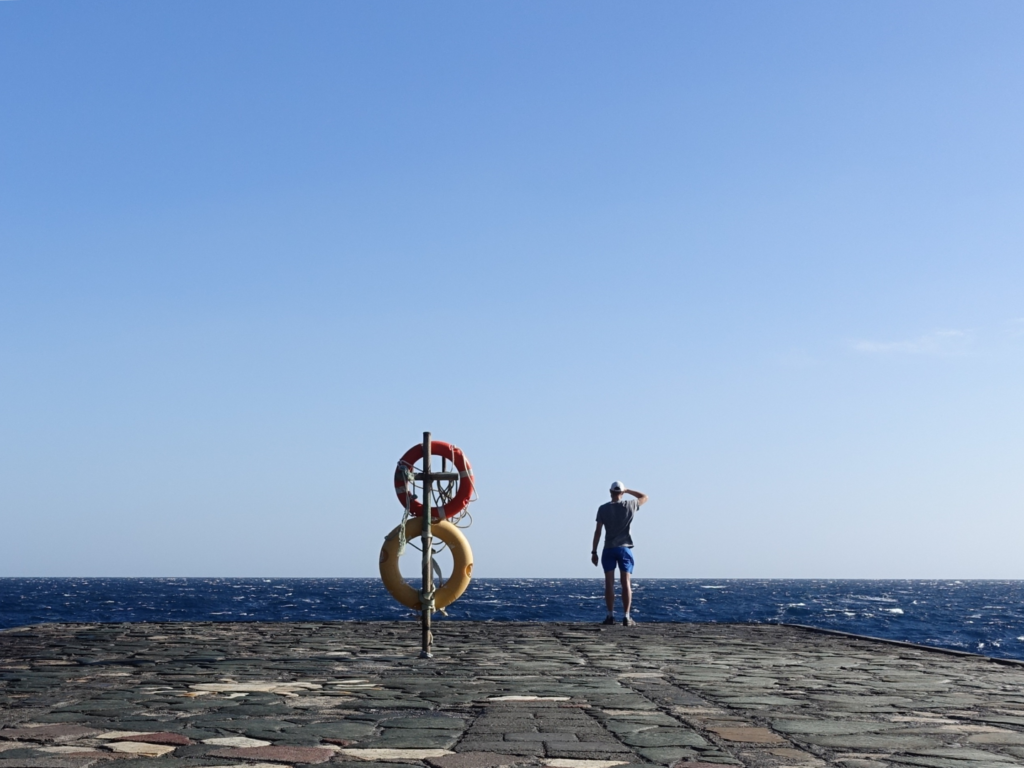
[641, 497]
[597, 538]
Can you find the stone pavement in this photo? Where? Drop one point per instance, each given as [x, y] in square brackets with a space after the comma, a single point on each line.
[354, 695]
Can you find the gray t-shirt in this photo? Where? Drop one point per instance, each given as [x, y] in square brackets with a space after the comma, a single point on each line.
[616, 516]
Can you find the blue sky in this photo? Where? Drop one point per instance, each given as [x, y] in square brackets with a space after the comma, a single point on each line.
[761, 261]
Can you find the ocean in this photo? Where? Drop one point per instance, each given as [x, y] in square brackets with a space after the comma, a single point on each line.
[985, 617]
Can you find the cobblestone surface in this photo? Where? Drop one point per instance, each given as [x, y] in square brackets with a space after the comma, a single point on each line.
[355, 695]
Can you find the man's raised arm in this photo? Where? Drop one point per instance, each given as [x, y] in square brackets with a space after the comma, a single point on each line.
[641, 497]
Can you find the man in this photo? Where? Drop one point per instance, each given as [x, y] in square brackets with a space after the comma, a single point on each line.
[616, 516]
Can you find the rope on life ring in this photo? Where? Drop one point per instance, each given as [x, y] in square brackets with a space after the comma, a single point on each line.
[403, 480]
[461, 571]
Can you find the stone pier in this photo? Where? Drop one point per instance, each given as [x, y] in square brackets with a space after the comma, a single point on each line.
[355, 695]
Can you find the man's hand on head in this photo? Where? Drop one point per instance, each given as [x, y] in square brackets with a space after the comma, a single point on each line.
[640, 496]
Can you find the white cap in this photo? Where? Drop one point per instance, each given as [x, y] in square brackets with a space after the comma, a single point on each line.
[617, 487]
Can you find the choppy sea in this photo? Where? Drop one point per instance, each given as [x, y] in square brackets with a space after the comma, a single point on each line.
[984, 617]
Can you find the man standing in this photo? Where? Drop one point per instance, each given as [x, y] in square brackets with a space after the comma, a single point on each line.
[615, 517]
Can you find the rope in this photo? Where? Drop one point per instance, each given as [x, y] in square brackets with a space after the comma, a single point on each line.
[408, 508]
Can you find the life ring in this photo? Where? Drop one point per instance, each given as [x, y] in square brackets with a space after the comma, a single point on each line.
[461, 571]
[461, 463]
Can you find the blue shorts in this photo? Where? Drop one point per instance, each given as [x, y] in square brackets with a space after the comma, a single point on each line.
[621, 557]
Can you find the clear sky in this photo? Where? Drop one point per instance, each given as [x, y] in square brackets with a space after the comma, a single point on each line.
[763, 261]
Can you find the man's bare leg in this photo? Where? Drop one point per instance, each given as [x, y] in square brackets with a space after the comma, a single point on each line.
[627, 592]
[609, 591]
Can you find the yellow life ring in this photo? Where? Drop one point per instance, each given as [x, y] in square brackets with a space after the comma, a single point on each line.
[461, 572]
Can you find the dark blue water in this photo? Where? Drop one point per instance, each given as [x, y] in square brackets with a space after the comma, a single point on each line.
[980, 616]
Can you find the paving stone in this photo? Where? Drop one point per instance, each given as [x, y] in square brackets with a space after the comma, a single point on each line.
[407, 738]
[667, 755]
[139, 748]
[871, 741]
[744, 702]
[999, 719]
[960, 753]
[502, 747]
[665, 737]
[47, 762]
[831, 727]
[471, 760]
[300, 739]
[277, 754]
[433, 722]
[747, 735]
[64, 717]
[195, 751]
[636, 726]
[568, 748]
[48, 733]
[628, 757]
[943, 762]
[401, 704]
[23, 752]
[175, 739]
[250, 724]
[237, 711]
[124, 735]
[503, 725]
[9, 745]
[236, 741]
[394, 754]
[719, 759]
[792, 754]
[997, 737]
[151, 725]
[272, 686]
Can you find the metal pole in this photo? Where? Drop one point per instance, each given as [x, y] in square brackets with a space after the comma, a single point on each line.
[425, 540]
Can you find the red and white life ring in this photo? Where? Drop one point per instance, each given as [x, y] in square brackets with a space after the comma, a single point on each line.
[461, 463]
